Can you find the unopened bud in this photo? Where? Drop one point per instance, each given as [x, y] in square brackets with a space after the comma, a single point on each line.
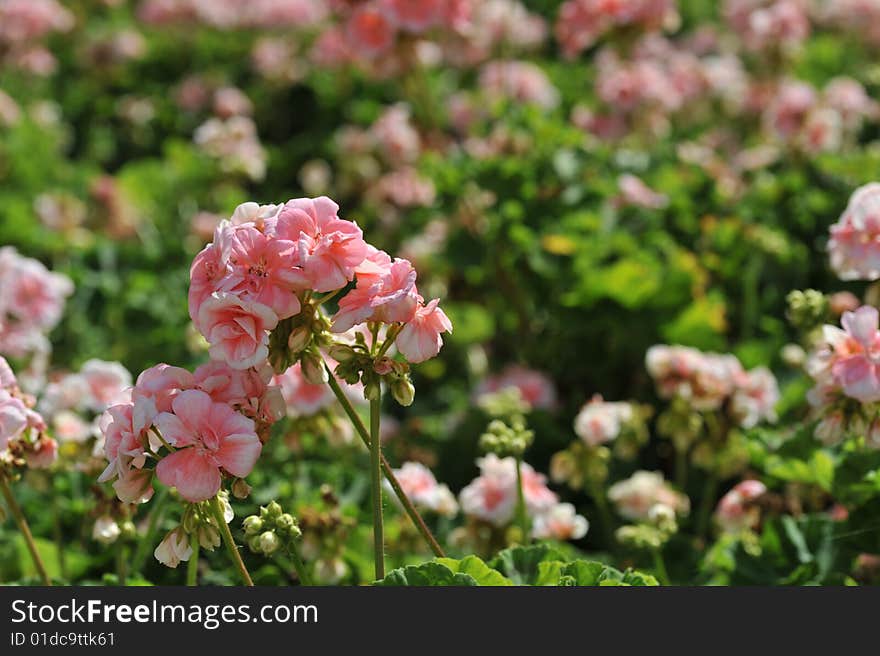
[252, 525]
[372, 390]
[269, 542]
[403, 391]
[241, 489]
[299, 339]
[313, 368]
[341, 352]
[273, 510]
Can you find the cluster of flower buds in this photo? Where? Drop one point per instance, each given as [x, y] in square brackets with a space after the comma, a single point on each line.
[271, 530]
[198, 524]
[652, 532]
[23, 438]
[507, 439]
[807, 309]
[31, 304]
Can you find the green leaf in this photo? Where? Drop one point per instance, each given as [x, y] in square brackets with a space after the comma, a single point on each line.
[474, 567]
[521, 564]
[426, 574]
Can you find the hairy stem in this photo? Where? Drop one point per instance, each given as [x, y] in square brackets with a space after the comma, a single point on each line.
[192, 567]
[298, 565]
[229, 542]
[376, 487]
[20, 520]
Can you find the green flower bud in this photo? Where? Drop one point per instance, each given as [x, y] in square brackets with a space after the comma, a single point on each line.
[272, 511]
[285, 523]
[403, 391]
[269, 543]
[342, 352]
[372, 390]
[252, 525]
[299, 339]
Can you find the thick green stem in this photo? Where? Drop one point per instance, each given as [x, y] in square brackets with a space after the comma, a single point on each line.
[192, 567]
[146, 543]
[521, 515]
[405, 501]
[229, 542]
[298, 565]
[376, 487]
[20, 520]
[660, 567]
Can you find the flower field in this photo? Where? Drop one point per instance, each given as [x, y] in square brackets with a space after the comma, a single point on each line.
[439, 292]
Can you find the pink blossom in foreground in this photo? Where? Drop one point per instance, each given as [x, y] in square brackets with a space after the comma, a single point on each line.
[13, 418]
[420, 338]
[635, 496]
[849, 359]
[125, 429]
[491, 496]
[600, 422]
[420, 485]
[208, 437]
[236, 329]
[737, 511]
[327, 249]
[855, 238]
[560, 522]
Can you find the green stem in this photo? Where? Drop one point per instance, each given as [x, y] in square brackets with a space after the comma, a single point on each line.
[58, 534]
[605, 519]
[229, 542]
[521, 514]
[121, 562]
[660, 567]
[405, 501]
[681, 468]
[192, 567]
[376, 487]
[20, 520]
[707, 503]
[299, 565]
[143, 549]
[390, 337]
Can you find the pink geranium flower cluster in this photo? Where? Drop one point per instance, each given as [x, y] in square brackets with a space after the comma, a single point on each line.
[519, 82]
[763, 24]
[420, 485]
[535, 388]
[712, 381]
[859, 17]
[855, 238]
[600, 422]
[738, 511]
[583, 22]
[492, 498]
[265, 261]
[31, 304]
[22, 429]
[234, 14]
[23, 23]
[635, 496]
[190, 429]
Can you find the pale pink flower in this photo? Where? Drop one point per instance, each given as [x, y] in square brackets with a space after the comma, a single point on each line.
[262, 270]
[235, 387]
[209, 438]
[518, 81]
[635, 496]
[600, 422]
[107, 382]
[705, 380]
[420, 338]
[237, 330]
[534, 387]
[755, 398]
[231, 101]
[32, 294]
[561, 522]
[851, 357]
[850, 100]
[68, 426]
[301, 397]
[385, 291]
[855, 238]
[492, 496]
[635, 193]
[737, 511]
[13, 418]
[125, 428]
[395, 135]
[174, 548]
[414, 15]
[208, 269]
[763, 24]
[42, 454]
[370, 31]
[326, 248]
[420, 485]
[7, 376]
[157, 386]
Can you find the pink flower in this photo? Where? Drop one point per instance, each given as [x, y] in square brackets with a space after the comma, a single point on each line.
[208, 268]
[32, 294]
[855, 238]
[491, 496]
[395, 135]
[755, 398]
[231, 386]
[414, 15]
[534, 387]
[600, 422]
[209, 437]
[420, 338]
[7, 377]
[385, 291]
[174, 548]
[370, 31]
[853, 356]
[561, 522]
[519, 81]
[301, 397]
[420, 485]
[13, 418]
[737, 511]
[327, 248]
[107, 382]
[635, 496]
[42, 454]
[263, 270]
[125, 439]
[158, 386]
[634, 192]
[705, 380]
[236, 329]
